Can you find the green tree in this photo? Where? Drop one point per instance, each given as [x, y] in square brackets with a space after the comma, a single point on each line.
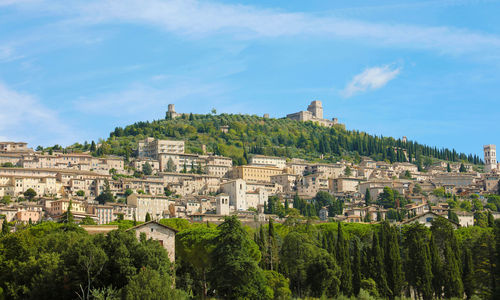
[5, 226]
[88, 221]
[377, 267]
[235, 273]
[452, 216]
[170, 165]
[106, 195]
[128, 192]
[418, 264]
[347, 171]
[393, 262]
[196, 246]
[148, 217]
[496, 259]
[80, 193]
[356, 268]
[272, 245]
[67, 216]
[149, 284]
[343, 258]
[437, 268]
[368, 197]
[93, 147]
[468, 273]
[6, 200]
[462, 168]
[30, 194]
[448, 168]
[279, 284]
[147, 169]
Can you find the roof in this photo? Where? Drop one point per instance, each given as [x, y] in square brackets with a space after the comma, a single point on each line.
[155, 222]
[426, 213]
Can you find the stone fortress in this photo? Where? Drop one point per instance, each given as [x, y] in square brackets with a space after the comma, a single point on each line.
[314, 113]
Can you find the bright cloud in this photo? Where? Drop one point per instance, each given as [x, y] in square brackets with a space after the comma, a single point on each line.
[24, 118]
[199, 18]
[370, 79]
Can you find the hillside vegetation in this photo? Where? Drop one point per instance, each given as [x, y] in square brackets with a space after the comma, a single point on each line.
[278, 137]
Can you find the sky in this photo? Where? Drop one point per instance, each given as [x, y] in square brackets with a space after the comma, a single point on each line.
[72, 71]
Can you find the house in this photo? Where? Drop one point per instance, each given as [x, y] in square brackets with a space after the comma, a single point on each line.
[165, 235]
[427, 218]
[465, 219]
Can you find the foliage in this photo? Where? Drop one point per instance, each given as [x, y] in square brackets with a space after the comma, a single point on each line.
[149, 284]
[277, 137]
[30, 194]
[235, 272]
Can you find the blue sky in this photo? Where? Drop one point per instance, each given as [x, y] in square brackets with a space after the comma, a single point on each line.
[72, 71]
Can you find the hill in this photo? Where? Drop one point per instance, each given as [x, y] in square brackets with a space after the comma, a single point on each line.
[278, 137]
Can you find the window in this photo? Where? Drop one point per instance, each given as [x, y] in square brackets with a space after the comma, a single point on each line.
[152, 229]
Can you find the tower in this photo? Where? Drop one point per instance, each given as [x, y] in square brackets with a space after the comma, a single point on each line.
[490, 158]
[222, 206]
[316, 108]
[171, 114]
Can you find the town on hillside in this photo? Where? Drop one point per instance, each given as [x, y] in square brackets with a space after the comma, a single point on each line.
[163, 181]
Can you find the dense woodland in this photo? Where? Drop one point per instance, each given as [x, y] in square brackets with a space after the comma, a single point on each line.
[275, 261]
[278, 137]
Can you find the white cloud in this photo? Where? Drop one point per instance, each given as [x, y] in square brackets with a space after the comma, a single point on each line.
[200, 18]
[24, 118]
[370, 79]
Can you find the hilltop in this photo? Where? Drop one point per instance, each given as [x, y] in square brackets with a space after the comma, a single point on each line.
[238, 136]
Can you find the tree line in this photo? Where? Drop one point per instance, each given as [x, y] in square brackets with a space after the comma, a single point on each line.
[278, 137]
[274, 261]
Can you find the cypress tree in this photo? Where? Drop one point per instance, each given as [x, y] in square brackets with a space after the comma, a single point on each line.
[342, 251]
[5, 227]
[393, 263]
[377, 268]
[468, 273]
[418, 262]
[356, 268]
[453, 286]
[437, 269]
[368, 198]
[148, 217]
[261, 241]
[272, 247]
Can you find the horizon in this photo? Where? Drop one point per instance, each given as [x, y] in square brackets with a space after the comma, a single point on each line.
[72, 72]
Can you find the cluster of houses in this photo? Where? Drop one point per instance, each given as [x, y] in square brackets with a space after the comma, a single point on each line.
[206, 187]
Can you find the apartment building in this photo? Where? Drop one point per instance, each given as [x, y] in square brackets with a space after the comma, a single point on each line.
[156, 206]
[151, 147]
[278, 162]
[13, 147]
[139, 163]
[256, 173]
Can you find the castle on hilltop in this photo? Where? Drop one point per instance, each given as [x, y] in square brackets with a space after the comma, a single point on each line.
[314, 114]
[171, 114]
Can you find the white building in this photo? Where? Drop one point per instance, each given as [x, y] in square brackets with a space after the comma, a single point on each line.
[156, 206]
[278, 162]
[237, 190]
[151, 147]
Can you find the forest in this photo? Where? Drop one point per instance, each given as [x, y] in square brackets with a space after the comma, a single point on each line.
[277, 137]
[296, 259]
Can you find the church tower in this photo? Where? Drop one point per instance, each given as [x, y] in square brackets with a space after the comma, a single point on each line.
[490, 158]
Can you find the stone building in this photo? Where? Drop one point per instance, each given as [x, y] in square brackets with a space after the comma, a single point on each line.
[163, 234]
[313, 113]
[490, 158]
